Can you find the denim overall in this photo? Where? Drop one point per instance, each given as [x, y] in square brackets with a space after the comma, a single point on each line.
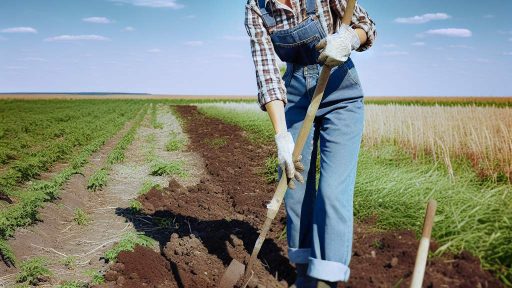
[320, 218]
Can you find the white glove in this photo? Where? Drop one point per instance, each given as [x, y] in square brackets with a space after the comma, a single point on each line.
[291, 168]
[337, 47]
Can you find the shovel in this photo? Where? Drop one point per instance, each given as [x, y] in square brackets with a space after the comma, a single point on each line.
[236, 270]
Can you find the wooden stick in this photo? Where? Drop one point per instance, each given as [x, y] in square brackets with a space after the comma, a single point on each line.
[421, 257]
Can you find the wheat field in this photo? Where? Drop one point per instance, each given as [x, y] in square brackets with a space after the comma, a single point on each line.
[483, 135]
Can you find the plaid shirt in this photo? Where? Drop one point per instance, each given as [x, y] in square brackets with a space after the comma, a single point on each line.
[330, 13]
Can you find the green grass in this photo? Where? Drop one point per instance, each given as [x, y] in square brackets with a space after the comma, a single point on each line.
[32, 270]
[150, 148]
[472, 215]
[96, 277]
[135, 206]
[80, 217]
[154, 119]
[175, 144]
[128, 243]
[97, 180]
[7, 253]
[270, 170]
[146, 186]
[162, 168]
[70, 262]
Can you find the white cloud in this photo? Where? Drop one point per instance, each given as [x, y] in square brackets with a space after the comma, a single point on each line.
[418, 44]
[461, 46]
[450, 32]
[154, 50]
[172, 4]
[423, 18]
[15, 67]
[19, 30]
[507, 53]
[97, 20]
[483, 60]
[77, 38]
[191, 16]
[194, 43]
[396, 53]
[391, 45]
[489, 16]
[129, 29]
[235, 38]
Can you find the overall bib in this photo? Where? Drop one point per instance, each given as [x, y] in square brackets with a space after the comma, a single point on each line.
[320, 220]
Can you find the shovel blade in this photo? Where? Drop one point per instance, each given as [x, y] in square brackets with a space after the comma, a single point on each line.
[234, 273]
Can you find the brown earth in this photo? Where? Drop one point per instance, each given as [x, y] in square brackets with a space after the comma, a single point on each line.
[202, 227]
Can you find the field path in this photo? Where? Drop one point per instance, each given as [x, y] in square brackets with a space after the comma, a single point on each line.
[58, 238]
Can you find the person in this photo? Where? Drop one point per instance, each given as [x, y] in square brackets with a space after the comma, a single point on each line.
[306, 34]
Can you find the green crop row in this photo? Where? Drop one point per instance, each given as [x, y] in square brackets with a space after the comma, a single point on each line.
[34, 135]
[472, 215]
[99, 179]
[29, 199]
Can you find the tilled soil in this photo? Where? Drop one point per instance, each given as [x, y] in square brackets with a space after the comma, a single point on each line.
[203, 227]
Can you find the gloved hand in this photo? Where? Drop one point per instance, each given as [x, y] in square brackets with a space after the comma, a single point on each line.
[337, 47]
[291, 168]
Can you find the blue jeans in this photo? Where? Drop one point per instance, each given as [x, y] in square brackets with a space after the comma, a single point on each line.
[320, 221]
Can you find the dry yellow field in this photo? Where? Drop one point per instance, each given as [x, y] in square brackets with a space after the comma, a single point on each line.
[481, 134]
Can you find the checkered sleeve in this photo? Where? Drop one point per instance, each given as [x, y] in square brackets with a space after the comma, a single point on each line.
[268, 76]
[360, 19]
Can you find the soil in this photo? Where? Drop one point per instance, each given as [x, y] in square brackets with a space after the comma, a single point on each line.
[201, 228]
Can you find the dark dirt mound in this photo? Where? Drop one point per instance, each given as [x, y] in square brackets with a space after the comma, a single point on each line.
[141, 268]
[202, 228]
[386, 259]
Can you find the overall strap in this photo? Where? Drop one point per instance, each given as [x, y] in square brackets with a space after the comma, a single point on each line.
[269, 20]
[311, 7]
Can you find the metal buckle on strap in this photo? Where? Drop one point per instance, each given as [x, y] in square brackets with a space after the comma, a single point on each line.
[269, 20]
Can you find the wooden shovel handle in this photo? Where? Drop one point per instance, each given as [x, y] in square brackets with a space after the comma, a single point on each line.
[421, 256]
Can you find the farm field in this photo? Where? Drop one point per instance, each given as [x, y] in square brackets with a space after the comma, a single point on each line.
[145, 191]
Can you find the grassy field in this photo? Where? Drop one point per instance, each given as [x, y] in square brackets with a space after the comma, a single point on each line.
[473, 214]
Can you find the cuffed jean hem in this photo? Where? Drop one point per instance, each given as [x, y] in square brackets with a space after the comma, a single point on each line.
[328, 270]
[299, 256]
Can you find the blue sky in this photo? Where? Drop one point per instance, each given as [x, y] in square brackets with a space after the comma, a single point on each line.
[455, 47]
